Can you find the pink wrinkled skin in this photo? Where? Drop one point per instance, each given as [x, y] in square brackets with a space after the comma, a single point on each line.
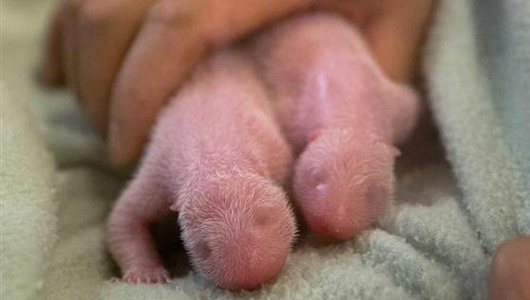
[221, 154]
[342, 115]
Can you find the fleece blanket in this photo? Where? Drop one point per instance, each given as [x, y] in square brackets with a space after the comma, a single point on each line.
[458, 197]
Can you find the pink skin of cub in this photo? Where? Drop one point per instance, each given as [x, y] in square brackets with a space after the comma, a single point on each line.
[218, 157]
[341, 114]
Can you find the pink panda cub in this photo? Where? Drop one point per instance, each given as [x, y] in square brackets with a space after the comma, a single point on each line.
[342, 116]
[219, 158]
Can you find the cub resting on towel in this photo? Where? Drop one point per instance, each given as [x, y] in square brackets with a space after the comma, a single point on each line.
[224, 149]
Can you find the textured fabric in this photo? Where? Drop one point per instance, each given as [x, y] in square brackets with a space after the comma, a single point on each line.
[467, 105]
[435, 243]
[27, 208]
[505, 45]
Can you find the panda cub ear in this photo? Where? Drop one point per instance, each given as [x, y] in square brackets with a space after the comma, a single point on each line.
[395, 151]
[176, 206]
[313, 135]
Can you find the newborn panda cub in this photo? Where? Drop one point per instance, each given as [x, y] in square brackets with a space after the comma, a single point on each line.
[342, 117]
[221, 153]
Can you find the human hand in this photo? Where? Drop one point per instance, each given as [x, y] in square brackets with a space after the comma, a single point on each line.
[124, 58]
[393, 29]
[510, 273]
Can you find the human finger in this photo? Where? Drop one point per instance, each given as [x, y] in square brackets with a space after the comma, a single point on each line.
[105, 30]
[176, 35]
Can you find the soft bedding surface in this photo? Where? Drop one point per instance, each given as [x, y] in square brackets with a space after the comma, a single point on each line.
[458, 197]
